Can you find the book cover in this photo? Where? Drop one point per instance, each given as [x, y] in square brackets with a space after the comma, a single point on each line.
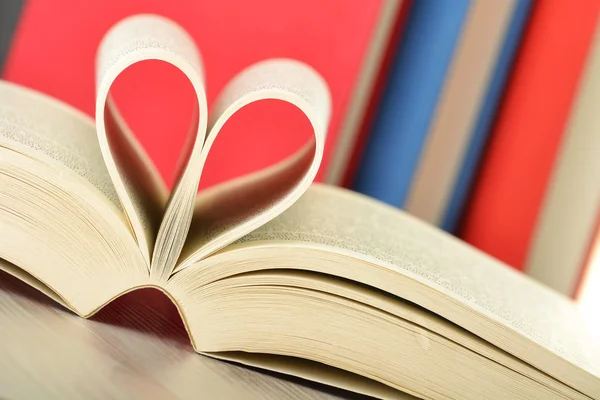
[54, 52]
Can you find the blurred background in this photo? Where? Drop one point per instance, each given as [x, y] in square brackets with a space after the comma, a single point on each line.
[478, 116]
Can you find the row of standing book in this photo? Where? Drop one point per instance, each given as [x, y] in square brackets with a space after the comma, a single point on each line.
[485, 124]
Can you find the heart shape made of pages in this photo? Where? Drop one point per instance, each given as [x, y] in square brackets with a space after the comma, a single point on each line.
[177, 229]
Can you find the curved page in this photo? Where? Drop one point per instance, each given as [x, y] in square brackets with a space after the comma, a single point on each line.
[228, 211]
[60, 218]
[140, 189]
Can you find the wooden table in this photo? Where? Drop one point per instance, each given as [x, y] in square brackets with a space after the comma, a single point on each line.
[127, 351]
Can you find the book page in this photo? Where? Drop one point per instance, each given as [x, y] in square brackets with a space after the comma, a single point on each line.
[33, 123]
[140, 188]
[527, 382]
[363, 228]
[228, 211]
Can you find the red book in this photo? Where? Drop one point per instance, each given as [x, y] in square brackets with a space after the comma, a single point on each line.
[514, 176]
[54, 51]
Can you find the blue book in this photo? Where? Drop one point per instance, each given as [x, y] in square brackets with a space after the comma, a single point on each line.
[409, 100]
[487, 114]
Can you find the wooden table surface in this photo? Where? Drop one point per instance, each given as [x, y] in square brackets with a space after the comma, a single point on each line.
[135, 348]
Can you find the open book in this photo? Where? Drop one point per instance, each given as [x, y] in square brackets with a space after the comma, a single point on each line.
[267, 270]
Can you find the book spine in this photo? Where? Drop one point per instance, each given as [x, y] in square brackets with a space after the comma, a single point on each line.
[457, 110]
[566, 224]
[507, 197]
[486, 117]
[10, 12]
[384, 33]
[376, 96]
[409, 100]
